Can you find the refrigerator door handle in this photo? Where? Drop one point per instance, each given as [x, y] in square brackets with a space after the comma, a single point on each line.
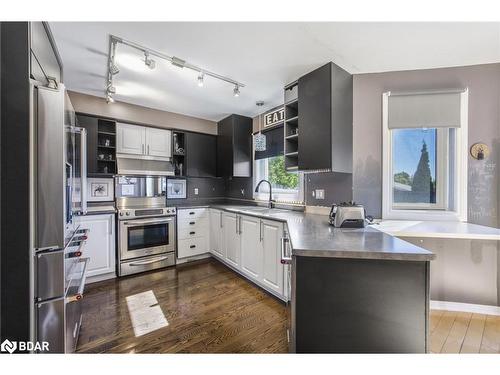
[83, 168]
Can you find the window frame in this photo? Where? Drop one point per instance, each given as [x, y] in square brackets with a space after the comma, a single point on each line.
[262, 196]
[456, 181]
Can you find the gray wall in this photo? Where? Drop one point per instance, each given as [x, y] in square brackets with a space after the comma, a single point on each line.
[134, 113]
[483, 82]
[464, 271]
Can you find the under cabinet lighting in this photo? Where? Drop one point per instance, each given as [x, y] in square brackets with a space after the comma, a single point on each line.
[236, 91]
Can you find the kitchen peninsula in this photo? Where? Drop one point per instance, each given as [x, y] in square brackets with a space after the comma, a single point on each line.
[348, 286]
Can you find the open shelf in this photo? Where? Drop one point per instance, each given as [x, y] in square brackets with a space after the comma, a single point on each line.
[179, 153]
[292, 137]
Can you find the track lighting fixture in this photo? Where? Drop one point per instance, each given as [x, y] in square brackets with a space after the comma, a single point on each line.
[111, 89]
[113, 69]
[201, 77]
[109, 99]
[150, 63]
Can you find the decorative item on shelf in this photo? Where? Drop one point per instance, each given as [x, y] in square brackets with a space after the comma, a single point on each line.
[259, 139]
[107, 142]
[479, 151]
[101, 156]
[105, 170]
[110, 157]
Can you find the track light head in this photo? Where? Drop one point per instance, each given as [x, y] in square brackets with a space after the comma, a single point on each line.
[236, 91]
[111, 89]
[150, 63]
[109, 99]
[201, 77]
[113, 69]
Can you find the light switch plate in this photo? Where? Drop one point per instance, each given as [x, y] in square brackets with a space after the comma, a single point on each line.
[195, 191]
[320, 194]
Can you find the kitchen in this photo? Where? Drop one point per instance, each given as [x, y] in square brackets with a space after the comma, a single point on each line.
[166, 207]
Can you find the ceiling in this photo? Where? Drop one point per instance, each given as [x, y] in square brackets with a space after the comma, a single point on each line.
[263, 56]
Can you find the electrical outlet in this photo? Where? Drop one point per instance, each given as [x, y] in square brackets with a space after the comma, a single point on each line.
[195, 191]
[320, 194]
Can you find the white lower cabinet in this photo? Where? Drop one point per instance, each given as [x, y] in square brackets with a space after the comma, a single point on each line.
[216, 233]
[273, 274]
[193, 235]
[231, 243]
[250, 245]
[100, 245]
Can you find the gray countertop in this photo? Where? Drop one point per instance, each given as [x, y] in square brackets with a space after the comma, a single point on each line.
[311, 235]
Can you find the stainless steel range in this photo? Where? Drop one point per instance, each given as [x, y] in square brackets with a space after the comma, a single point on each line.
[146, 226]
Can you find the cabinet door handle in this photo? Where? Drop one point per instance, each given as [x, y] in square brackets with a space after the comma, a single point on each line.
[191, 213]
[192, 232]
[192, 246]
[241, 231]
[236, 224]
[220, 219]
[192, 223]
[260, 229]
[148, 149]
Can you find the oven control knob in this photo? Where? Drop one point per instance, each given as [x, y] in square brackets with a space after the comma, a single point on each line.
[128, 213]
[121, 213]
[168, 211]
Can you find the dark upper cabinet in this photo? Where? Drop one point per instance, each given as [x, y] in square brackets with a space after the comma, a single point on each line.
[201, 152]
[325, 120]
[91, 124]
[101, 145]
[44, 58]
[234, 146]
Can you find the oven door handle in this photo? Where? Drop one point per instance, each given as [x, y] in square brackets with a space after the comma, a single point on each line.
[137, 264]
[136, 223]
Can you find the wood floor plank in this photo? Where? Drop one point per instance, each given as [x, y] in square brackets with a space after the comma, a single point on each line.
[435, 317]
[474, 335]
[441, 332]
[491, 335]
[457, 333]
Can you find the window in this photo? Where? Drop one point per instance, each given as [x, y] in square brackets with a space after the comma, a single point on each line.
[425, 168]
[287, 186]
[419, 168]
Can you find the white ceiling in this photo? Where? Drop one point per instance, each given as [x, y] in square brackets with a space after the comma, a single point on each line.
[263, 56]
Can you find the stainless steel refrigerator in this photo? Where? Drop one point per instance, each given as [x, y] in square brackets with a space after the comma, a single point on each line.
[58, 189]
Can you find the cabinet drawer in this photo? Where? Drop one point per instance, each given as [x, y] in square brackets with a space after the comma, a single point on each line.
[192, 246]
[192, 213]
[194, 232]
[192, 223]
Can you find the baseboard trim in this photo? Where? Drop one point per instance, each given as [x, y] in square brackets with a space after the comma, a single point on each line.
[97, 278]
[465, 307]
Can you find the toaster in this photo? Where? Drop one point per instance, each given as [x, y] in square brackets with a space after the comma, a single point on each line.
[347, 215]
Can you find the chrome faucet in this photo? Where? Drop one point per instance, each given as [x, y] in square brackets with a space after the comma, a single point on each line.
[270, 204]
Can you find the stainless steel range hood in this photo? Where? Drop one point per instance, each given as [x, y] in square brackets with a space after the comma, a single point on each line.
[144, 167]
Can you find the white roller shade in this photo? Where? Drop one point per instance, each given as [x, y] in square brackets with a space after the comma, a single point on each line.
[439, 109]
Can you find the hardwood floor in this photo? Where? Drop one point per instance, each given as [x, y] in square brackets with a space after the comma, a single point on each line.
[461, 332]
[211, 309]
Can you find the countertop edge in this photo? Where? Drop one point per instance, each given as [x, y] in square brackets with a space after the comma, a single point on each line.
[425, 256]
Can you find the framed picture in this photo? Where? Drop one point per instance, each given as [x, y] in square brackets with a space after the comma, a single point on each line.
[100, 190]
